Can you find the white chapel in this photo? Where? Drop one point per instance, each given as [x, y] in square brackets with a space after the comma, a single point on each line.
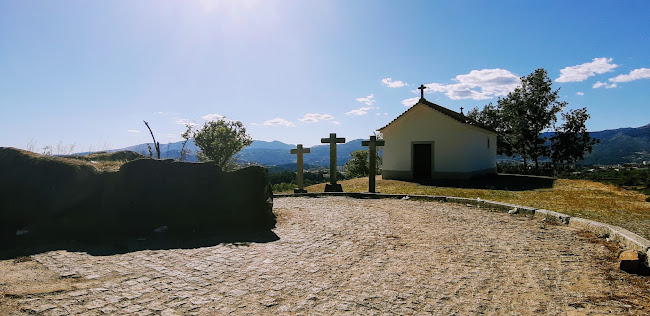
[429, 141]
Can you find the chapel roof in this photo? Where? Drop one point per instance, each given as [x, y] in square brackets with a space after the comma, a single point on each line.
[452, 114]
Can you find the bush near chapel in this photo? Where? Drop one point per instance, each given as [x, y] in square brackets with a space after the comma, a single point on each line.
[358, 165]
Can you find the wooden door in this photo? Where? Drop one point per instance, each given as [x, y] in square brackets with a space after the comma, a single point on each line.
[421, 161]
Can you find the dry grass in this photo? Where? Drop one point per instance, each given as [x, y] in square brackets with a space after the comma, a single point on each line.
[108, 165]
[583, 198]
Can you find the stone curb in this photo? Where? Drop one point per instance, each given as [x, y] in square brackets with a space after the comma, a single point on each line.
[558, 217]
[624, 237]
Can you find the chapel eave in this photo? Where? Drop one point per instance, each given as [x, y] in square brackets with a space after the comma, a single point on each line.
[445, 111]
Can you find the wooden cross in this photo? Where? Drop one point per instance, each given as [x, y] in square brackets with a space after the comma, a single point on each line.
[422, 87]
[299, 151]
[332, 140]
[372, 152]
[461, 110]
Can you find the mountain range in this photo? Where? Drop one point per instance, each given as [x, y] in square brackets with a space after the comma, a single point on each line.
[616, 146]
[264, 153]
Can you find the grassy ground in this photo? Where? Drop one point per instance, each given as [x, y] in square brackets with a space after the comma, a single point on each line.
[582, 198]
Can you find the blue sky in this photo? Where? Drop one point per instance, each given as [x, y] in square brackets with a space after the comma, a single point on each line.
[88, 72]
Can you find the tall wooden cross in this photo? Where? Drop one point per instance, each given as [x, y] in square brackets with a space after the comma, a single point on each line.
[299, 151]
[332, 140]
[372, 152]
[422, 87]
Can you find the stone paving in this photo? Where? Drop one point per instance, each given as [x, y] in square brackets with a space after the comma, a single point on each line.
[341, 255]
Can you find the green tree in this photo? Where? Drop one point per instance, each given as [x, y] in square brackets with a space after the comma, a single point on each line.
[220, 140]
[571, 140]
[522, 116]
[531, 109]
[358, 165]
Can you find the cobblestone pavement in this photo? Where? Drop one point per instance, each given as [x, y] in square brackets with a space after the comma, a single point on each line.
[341, 255]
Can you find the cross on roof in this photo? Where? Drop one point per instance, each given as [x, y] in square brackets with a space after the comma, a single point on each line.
[422, 87]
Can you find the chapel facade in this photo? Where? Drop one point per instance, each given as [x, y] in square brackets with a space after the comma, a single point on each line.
[429, 141]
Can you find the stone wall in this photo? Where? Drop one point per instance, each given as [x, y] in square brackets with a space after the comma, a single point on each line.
[56, 198]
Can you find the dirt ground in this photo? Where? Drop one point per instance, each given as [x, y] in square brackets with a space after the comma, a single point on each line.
[341, 255]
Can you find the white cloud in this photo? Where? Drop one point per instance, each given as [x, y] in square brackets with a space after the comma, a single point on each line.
[393, 84]
[212, 117]
[636, 74]
[361, 111]
[579, 93]
[256, 124]
[599, 84]
[315, 117]
[335, 123]
[182, 121]
[369, 100]
[586, 70]
[278, 122]
[410, 101]
[477, 85]
[166, 113]
[133, 131]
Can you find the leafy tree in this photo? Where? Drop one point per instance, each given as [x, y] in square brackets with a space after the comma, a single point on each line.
[522, 116]
[220, 140]
[571, 139]
[531, 109]
[358, 165]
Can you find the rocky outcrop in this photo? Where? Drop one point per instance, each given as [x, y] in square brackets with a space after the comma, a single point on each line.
[185, 196]
[63, 198]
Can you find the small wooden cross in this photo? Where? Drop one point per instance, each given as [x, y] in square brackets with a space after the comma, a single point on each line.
[332, 140]
[461, 110]
[422, 87]
[372, 152]
[299, 151]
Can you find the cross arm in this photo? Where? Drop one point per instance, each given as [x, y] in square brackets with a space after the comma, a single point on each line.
[302, 150]
[377, 143]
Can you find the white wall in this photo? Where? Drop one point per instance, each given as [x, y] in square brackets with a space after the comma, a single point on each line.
[458, 147]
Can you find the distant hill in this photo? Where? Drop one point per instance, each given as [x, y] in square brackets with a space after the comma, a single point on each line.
[623, 145]
[617, 146]
[265, 153]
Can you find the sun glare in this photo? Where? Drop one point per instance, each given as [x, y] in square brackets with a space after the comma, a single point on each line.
[226, 6]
